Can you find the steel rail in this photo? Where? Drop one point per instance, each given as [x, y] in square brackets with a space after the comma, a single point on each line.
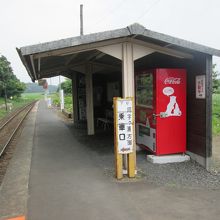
[17, 127]
[15, 114]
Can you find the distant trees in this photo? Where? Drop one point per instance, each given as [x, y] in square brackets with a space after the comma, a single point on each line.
[10, 85]
[215, 79]
[67, 86]
[34, 87]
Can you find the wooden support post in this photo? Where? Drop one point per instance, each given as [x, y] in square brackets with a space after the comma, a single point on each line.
[118, 166]
[128, 91]
[89, 100]
[132, 156]
[75, 98]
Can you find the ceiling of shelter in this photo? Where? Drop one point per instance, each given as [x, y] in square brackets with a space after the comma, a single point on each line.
[102, 63]
[156, 60]
[66, 64]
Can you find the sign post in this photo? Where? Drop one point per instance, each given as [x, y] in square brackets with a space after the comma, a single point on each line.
[124, 139]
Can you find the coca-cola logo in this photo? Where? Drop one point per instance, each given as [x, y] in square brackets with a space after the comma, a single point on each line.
[172, 80]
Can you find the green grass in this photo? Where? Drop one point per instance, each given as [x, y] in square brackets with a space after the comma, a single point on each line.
[15, 103]
[216, 114]
[67, 101]
[32, 96]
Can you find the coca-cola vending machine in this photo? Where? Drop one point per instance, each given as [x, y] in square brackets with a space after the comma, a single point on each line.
[161, 110]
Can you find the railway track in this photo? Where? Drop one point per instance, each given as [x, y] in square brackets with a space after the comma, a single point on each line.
[9, 127]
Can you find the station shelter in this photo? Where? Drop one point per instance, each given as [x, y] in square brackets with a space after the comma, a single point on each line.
[103, 65]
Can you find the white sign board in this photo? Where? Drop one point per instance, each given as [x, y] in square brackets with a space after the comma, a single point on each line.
[49, 102]
[61, 99]
[124, 125]
[200, 87]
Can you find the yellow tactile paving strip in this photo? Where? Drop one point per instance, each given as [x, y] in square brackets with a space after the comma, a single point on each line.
[17, 218]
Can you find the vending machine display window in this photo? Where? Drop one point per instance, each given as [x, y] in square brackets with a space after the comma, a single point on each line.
[144, 90]
[144, 130]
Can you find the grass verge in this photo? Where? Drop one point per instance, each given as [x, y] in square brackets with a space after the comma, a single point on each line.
[216, 114]
[17, 102]
[68, 105]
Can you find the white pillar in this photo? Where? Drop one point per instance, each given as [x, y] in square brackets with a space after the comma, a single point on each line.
[75, 98]
[128, 91]
[127, 70]
[89, 100]
[61, 99]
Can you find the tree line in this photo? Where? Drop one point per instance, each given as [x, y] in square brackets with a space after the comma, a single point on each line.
[10, 85]
[215, 80]
[66, 86]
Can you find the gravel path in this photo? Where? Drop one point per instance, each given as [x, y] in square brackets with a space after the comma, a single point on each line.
[187, 174]
[180, 175]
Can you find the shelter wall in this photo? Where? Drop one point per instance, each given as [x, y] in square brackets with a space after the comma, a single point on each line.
[196, 108]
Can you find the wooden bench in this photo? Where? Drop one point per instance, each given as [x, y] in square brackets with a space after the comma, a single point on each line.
[106, 122]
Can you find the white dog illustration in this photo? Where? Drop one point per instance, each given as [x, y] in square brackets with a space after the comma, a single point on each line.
[173, 108]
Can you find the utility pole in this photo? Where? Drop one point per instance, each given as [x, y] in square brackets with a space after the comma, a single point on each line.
[59, 83]
[61, 93]
[6, 106]
[81, 20]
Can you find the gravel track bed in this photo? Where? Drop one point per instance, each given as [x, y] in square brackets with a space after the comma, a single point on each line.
[5, 135]
[8, 154]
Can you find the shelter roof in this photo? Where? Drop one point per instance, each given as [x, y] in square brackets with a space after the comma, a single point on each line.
[54, 54]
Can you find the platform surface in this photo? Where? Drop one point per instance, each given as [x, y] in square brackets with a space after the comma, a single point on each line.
[67, 181]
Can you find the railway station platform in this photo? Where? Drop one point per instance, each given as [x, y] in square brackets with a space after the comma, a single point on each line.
[58, 172]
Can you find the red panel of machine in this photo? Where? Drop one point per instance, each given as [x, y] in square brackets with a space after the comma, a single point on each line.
[170, 100]
[161, 110]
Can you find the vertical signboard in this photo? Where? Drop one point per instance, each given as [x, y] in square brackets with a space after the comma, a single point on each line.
[124, 125]
[200, 87]
[124, 130]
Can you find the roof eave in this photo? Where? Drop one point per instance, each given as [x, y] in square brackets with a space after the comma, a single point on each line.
[25, 64]
[181, 43]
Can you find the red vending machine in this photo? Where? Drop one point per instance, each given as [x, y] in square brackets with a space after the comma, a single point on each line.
[161, 110]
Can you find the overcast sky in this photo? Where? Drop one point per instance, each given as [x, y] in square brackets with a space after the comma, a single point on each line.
[25, 22]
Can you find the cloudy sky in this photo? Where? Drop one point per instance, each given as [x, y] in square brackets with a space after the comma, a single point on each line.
[25, 22]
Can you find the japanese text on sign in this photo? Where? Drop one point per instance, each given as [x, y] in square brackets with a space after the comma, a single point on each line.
[200, 87]
[124, 125]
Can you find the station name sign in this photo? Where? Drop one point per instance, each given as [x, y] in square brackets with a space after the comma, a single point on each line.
[124, 125]
[200, 87]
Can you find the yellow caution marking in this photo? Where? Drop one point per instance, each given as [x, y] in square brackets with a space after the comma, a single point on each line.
[17, 218]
